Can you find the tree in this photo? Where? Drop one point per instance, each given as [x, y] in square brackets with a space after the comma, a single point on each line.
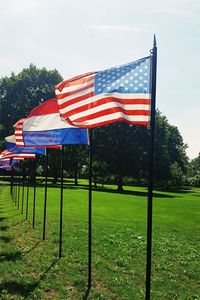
[194, 171]
[121, 148]
[20, 93]
[75, 156]
[123, 151]
[171, 161]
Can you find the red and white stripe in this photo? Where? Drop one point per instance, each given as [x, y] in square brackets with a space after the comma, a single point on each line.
[8, 159]
[79, 105]
[44, 117]
[18, 132]
[7, 154]
[8, 167]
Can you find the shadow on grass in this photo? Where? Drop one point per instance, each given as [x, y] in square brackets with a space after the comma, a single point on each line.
[109, 190]
[178, 190]
[18, 223]
[195, 195]
[4, 210]
[16, 288]
[14, 256]
[125, 192]
[2, 219]
[4, 206]
[23, 289]
[86, 295]
[32, 248]
[3, 228]
[5, 239]
[14, 215]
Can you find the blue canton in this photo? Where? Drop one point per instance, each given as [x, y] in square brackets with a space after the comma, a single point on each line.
[130, 78]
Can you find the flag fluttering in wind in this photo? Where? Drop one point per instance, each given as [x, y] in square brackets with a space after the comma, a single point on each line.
[43, 127]
[7, 163]
[7, 154]
[12, 147]
[100, 98]
[5, 166]
[11, 161]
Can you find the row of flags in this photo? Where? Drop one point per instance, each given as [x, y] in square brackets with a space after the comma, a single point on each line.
[90, 100]
[120, 94]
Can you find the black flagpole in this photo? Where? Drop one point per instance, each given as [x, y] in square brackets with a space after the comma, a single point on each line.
[151, 167]
[34, 190]
[11, 178]
[19, 182]
[27, 192]
[61, 201]
[90, 214]
[45, 195]
[15, 185]
[23, 182]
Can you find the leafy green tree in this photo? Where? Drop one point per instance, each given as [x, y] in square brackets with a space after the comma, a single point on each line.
[22, 92]
[75, 156]
[121, 148]
[123, 151]
[170, 153]
[194, 171]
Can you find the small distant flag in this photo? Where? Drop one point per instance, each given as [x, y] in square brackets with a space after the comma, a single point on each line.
[100, 98]
[12, 147]
[7, 154]
[43, 127]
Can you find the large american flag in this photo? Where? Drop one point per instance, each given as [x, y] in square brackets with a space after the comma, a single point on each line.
[100, 98]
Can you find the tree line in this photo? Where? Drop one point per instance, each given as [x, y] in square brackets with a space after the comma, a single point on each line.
[120, 150]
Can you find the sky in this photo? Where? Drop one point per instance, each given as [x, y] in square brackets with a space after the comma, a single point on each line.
[75, 37]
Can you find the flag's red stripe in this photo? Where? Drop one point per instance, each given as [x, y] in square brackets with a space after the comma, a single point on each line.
[16, 156]
[107, 100]
[143, 123]
[18, 135]
[111, 111]
[74, 81]
[54, 147]
[75, 100]
[65, 95]
[48, 107]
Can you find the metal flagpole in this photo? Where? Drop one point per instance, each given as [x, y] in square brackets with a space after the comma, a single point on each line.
[151, 165]
[45, 195]
[14, 186]
[27, 192]
[19, 182]
[11, 179]
[34, 190]
[19, 185]
[90, 214]
[61, 201]
[23, 182]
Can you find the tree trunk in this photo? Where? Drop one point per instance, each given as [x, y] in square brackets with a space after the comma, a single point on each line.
[120, 183]
[76, 174]
[95, 180]
[55, 178]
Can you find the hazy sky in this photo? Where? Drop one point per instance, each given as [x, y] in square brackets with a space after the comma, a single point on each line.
[78, 36]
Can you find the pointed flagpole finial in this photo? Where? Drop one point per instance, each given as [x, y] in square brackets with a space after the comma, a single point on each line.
[154, 40]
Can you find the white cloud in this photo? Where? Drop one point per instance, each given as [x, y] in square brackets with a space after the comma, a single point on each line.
[10, 8]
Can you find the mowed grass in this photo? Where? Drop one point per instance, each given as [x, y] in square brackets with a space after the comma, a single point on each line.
[30, 267]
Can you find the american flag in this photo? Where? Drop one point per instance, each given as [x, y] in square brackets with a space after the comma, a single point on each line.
[100, 98]
[18, 132]
[7, 154]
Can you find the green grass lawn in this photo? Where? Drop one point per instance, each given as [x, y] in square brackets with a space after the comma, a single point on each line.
[30, 268]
